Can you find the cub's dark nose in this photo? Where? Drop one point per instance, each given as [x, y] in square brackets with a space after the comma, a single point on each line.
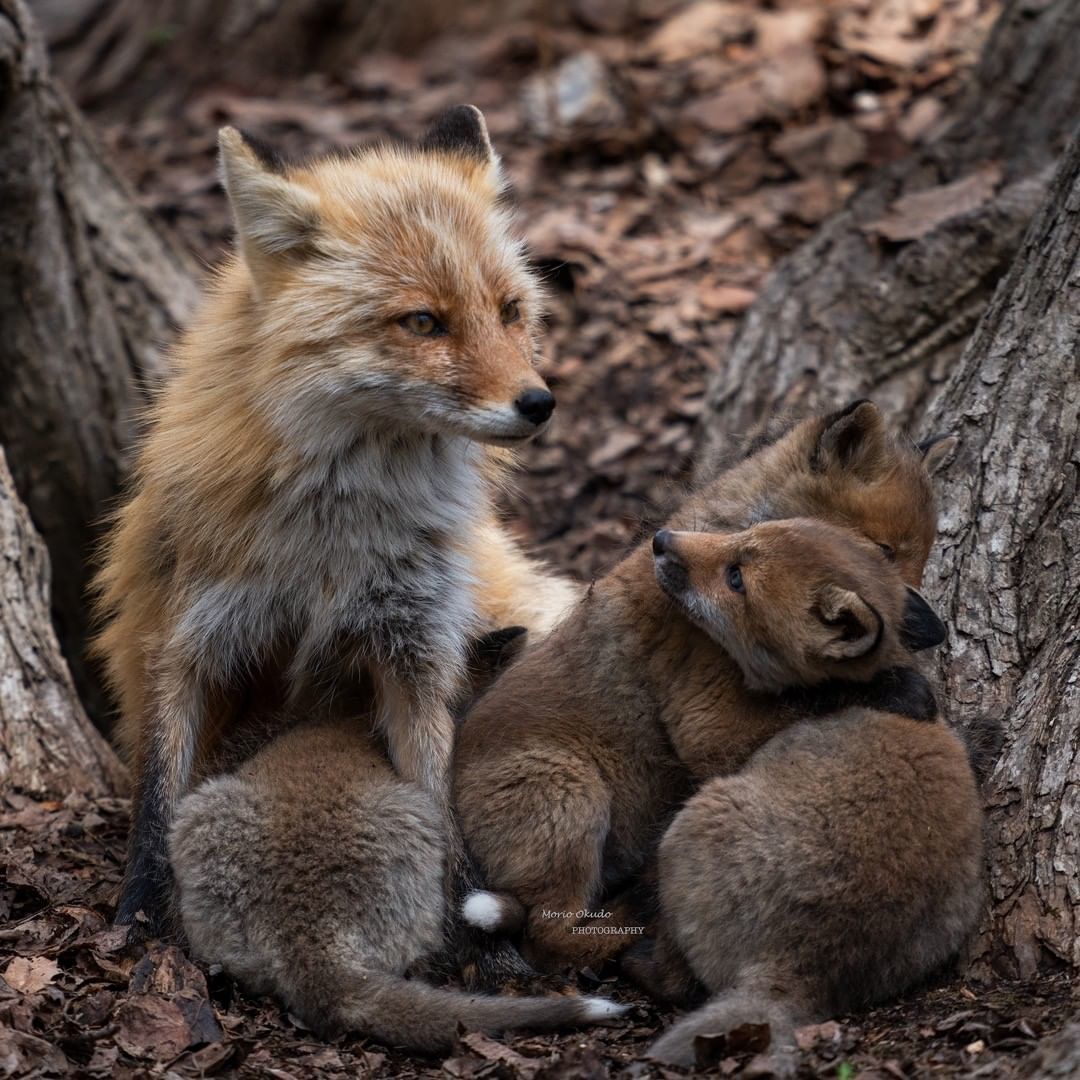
[662, 542]
[536, 405]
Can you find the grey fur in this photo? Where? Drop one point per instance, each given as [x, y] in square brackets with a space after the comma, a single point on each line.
[840, 867]
[316, 874]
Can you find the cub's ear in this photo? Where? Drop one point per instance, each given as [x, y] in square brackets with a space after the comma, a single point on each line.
[461, 130]
[937, 450]
[273, 215]
[921, 628]
[850, 627]
[852, 439]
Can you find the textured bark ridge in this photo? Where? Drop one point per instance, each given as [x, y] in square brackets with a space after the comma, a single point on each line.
[124, 51]
[47, 744]
[1007, 575]
[90, 289]
[882, 299]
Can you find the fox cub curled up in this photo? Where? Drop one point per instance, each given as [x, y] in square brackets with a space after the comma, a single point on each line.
[312, 510]
[839, 868]
[329, 894]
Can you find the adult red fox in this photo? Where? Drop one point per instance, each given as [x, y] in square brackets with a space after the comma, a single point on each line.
[312, 508]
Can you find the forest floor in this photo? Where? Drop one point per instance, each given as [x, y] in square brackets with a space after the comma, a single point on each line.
[663, 162]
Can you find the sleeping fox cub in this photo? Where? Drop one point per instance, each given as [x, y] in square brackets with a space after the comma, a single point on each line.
[842, 865]
[315, 873]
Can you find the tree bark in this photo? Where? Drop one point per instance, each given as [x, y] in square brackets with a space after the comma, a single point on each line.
[90, 288]
[123, 52]
[47, 743]
[881, 301]
[1006, 576]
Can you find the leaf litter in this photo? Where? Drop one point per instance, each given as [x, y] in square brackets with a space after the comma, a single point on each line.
[664, 155]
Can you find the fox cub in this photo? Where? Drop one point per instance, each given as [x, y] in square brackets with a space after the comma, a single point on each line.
[840, 867]
[567, 769]
[313, 504]
[315, 873]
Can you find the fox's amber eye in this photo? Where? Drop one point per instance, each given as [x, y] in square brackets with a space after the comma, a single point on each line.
[509, 312]
[734, 578]
[422, 323]
[888, 552]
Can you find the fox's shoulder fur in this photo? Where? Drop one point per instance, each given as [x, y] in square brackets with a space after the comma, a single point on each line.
[315, 497]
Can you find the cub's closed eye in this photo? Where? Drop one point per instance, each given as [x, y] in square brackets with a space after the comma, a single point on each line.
[422, 323]
[887, 552]
[509, 312]
[734, 578]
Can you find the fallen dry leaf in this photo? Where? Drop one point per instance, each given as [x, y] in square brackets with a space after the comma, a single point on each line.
[160, 1028]
[912, 216]
[793, 80]
[806, 1038]
[701, 28]
[618, 444]
[710, 1050]
[493, 1051]
[28, 975]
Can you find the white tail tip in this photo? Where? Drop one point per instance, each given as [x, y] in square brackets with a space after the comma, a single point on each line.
[483, 910]
[598, 1008]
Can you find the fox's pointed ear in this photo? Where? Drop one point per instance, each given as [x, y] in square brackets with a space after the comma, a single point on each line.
[921, 628]
[852, 439]
[937, 450]
[850, 626]
[461, 130]
[273, 215]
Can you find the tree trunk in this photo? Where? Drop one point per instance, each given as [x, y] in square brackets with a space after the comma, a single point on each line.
[90, 288]
[47, 744]
[881, 301]
[1007, 577]
[124, 52]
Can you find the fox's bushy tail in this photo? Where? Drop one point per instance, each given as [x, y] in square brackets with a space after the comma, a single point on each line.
[416, 1016]
[723, 1014]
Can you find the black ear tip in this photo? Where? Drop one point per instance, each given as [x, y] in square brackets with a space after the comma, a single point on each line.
[460, 129]
[921, 628]
[858, 403]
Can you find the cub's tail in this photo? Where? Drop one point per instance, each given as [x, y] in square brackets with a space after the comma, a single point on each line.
[493, 912]
[413, 1015]
[721, 1016]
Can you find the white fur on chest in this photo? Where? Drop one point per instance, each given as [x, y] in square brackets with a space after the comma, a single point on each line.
[364, 544]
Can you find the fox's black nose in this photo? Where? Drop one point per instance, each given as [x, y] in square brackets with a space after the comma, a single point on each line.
[536, 405]
[661, 542]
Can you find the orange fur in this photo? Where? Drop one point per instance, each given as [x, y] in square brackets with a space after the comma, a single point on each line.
[314, 456]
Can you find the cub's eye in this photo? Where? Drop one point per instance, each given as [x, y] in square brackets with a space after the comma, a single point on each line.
[888, 552]
[422, 323]
[734, 578]
[509, 312]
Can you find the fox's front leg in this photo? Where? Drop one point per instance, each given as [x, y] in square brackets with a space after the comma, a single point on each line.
[415, 720]
[169, 739]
